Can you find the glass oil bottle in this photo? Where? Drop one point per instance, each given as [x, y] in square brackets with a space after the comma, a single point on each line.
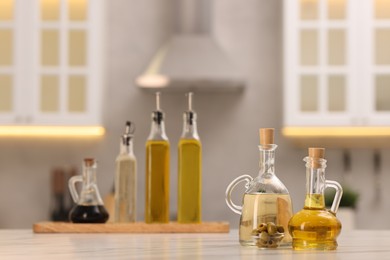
[89, 208]
[315, 227]
[157, 170]
[190, 170]
[266, 201]
[126, 178]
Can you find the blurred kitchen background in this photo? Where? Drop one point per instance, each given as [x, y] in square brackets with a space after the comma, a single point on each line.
[59, 58]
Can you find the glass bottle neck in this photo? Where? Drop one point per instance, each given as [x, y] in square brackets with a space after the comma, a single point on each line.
[315, 183]
[157, 131]
[126, 146]
[190, 130]
[89, 175]
[267, 159]
[90, 193]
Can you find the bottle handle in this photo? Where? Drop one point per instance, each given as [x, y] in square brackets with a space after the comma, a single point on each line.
[337, 197]
[72, 187]
[235, 208]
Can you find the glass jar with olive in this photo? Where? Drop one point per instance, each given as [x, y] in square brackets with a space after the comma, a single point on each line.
[268, 235]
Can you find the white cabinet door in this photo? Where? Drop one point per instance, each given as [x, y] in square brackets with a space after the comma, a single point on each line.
[319, 87]
[10, 63]
[378, 62]
[337, 63]
[58, 63]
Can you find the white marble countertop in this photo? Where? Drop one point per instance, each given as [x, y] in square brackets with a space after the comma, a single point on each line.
[24, 244]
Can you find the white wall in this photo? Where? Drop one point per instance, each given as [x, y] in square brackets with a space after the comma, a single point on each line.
[251, 33]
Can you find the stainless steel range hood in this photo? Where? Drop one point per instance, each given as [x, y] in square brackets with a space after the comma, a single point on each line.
[192, 59]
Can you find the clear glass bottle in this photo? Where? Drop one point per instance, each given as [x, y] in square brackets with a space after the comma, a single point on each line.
[89, 206]
[266, 199]
[157, 170]
[315, 227]
[126, 178]
[190, 170]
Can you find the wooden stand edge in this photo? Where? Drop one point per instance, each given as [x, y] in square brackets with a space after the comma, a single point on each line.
[138, 227]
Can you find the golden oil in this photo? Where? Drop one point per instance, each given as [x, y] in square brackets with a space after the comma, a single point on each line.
[157, 181]
[314, 227]
[189, 181]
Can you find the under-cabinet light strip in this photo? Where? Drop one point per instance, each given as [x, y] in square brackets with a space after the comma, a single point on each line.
[336, 132]
[52, 131]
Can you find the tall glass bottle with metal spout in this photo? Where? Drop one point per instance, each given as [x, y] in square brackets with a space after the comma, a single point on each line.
[157, 170]
[190, 170]
[126, 178]
[315, 227]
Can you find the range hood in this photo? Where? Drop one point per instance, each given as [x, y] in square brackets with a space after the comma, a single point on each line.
[191, 59]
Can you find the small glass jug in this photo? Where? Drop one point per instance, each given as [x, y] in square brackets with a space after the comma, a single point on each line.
[89, 208]
[267, 206]
[315, 227]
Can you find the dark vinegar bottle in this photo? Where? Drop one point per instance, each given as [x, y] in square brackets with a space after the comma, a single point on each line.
[89, 208]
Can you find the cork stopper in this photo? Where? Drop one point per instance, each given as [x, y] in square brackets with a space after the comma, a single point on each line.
[266, 136]
[89, 161]
[316, 153]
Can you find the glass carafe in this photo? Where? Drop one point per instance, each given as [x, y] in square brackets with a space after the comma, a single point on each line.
[266, 200]
[89, 208]
[315, 227]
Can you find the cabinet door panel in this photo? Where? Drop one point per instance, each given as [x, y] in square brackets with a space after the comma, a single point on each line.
[337, 47]
[50, 94]
[337, 93]
[382, 9]
[77, 10]
[50, 10]
[77, 48]
[309, 47]
[6, 10]
[382, 46]
[77, 94]
[337, 9]
[50, 48]
[382, 93]
[309, 93]
[6, 94]
[309, 9]
[6, 47]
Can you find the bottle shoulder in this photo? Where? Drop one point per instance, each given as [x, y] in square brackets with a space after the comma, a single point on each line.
[313, 217]
[267, 183]
[190, 141]
[126, 157]
[153, 142]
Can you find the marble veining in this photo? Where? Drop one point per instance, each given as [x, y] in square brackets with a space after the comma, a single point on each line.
[18, 244]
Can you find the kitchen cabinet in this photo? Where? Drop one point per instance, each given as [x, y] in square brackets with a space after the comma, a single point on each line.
[51, 62]
[337, 63]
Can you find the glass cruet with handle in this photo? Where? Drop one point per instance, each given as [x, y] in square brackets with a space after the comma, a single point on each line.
[267, 205]
[89, 206]
[315, 227]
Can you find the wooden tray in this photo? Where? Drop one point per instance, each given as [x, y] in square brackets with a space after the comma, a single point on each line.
[138, 227]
